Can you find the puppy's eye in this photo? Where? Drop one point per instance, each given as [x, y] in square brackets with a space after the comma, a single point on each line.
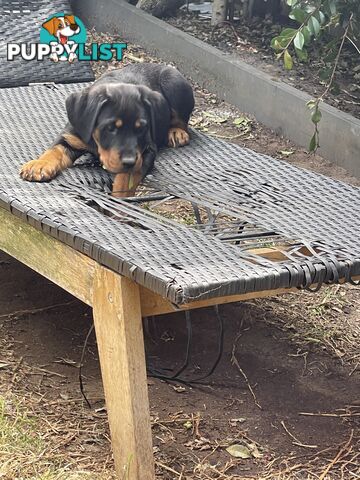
[111, 127]
[140, 124]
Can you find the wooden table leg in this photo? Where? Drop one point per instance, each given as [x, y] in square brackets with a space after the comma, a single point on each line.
[118, 326]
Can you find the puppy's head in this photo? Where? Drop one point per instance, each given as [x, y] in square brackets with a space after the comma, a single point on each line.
[71, 27]
[121, 119]
[62, 27]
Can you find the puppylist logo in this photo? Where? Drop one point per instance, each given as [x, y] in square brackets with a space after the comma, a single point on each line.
[63, 38]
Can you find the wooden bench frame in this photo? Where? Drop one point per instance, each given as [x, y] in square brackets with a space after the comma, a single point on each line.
[118, 307]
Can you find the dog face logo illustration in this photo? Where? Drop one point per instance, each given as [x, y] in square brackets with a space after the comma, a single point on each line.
[63, 33]
[62, 27]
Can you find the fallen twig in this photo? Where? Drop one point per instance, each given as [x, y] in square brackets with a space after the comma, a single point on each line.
[337, 457]
[49, 372]
[340, 415]
[225, 23]
[354, 369]
[169, 469]
[35, 310]
[235, 362]
[226, 137]
[296, 442]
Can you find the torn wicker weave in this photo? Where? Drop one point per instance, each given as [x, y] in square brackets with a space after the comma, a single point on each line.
[250, 201]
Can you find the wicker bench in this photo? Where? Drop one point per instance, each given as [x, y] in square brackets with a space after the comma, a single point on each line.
[259, 227]
[265, 228]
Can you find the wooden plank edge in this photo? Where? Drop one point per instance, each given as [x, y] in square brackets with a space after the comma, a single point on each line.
[153, 304]
[64, 266]
[74, 271]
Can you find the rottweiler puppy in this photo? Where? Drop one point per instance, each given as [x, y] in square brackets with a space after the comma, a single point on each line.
[123, 118]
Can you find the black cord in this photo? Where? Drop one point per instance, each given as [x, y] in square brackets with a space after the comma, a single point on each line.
[188, 345]
[175, 378]
[81, 362]
[220, 346]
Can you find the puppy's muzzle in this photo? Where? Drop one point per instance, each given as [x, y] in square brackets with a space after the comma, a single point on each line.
[128, 162]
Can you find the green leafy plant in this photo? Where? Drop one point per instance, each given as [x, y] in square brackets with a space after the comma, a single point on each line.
[337, 19]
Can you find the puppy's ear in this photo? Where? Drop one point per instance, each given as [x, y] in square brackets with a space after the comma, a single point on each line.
[83, 109]
[71, 19]
[159, 114]
[51, 25]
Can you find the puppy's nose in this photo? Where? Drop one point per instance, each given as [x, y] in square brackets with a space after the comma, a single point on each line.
[128, 161]
[74, 27]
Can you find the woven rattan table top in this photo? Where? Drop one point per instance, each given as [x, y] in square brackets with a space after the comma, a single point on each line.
[258, 194]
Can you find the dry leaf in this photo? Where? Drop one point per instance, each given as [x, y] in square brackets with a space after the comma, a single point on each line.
[67, 361]
[239, 451]
[179, 388]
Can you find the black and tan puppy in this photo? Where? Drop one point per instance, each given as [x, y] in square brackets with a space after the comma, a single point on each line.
[123, 118]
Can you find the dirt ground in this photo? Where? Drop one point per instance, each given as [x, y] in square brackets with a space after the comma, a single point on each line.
[298, 353]
[250, 41]
[286, 393]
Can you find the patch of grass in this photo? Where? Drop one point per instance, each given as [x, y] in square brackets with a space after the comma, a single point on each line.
[18, 432]
[64, 475]
[25, 452]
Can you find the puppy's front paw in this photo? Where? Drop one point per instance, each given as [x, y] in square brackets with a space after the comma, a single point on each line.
[38, 171]
[178, 137]
[47, 166]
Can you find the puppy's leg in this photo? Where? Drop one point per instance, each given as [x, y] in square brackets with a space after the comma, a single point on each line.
[47, 166]
[125, 184]
[59, 157]
[148, 161]
[178, 93]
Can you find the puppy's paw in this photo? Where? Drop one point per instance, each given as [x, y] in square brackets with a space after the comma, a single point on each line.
[38, 171]
[72, 57]
[46, 167]
[178, 137]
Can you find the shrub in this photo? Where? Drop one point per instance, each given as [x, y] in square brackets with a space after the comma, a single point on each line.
[336, 20]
